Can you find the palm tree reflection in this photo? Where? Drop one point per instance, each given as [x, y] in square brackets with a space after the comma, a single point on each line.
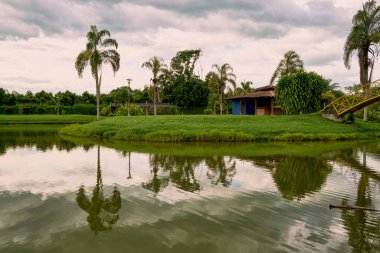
[363, 227]
[220, 171]
[102, 213]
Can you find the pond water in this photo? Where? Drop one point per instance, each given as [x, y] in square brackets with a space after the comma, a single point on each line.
[59, 194]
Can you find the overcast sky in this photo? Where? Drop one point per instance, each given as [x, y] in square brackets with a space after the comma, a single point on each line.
[40, 39]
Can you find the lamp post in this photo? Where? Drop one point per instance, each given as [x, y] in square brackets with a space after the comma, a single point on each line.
[129, 95]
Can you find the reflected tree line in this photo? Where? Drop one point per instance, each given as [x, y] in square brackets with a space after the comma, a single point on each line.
[41, 138]
[179, 170]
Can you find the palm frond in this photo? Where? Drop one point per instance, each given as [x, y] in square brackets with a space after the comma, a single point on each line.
[82, 61]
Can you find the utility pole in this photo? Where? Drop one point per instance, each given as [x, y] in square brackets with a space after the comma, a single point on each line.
[129, 95]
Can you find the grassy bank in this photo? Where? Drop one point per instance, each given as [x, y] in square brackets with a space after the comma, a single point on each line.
[199, 128]
[46, 119]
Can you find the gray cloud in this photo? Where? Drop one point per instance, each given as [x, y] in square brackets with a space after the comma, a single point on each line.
[272, 19]
[26, 80]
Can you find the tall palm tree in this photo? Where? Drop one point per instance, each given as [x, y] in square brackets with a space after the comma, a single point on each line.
[156, 65]
[219, 79]
[290, 64]
[363, 38]
[96, 54]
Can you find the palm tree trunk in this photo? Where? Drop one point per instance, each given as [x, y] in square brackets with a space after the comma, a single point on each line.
[154, 99]
[221, 103]
[363, 62]
[97, 95]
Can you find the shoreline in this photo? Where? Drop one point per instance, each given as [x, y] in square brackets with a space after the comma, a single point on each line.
[226, 128]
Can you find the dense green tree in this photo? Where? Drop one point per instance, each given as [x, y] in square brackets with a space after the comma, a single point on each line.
[43, 97]
[156, 65]
[189, 93]
[332, 93]
[301, 92]
[140, 96]
[290, 64]
[66, 98]
[3, 95]
[363, 39]
[96, 54]
[119, 96]
[86, 98]
[219, 79]
[183, 64]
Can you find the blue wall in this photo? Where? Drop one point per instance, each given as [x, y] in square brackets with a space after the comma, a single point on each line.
[235, 107]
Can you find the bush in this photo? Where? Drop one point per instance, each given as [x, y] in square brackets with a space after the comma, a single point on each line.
[8, 110]
[41, 110]
[105, 110]
[86, 109]
[25, 110]
[134, 110]
[348, 118]
[207, 111]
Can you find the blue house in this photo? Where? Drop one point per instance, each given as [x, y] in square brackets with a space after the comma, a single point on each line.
[258, 102]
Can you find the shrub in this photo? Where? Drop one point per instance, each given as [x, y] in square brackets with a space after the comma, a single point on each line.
[8, 110]
[134, 110]
[105, 110]
[207, 111]
[348, 118]
[86, 109]
[41, 110]
[25, 110]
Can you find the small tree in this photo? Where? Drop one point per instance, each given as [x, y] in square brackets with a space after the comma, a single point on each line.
[301, 92]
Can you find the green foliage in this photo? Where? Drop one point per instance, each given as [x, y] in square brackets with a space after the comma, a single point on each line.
[189, 93]
[134, 110]
[348, 118]
[183, 64]
[363, 38]
[41, 110]
[301, 92]
[208, 111]
[218, 80]
[97, 53]
[289, 65]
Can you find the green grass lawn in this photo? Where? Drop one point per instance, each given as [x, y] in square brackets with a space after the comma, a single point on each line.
[226, 128]
[46, 119]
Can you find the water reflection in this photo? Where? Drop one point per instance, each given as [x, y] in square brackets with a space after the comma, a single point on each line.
[102, 212]
[296, 176]
[263, 197]
[43, 138]
[220, 171]
[180, 171]
[363, 226]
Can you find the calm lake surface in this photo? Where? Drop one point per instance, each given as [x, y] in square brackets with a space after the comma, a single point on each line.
[59, 194]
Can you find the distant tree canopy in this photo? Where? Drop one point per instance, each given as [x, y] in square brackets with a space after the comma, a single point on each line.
[301, 92]
[182, 87]
[190, 93]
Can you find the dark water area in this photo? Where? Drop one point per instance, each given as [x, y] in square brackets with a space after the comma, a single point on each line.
[60, 194]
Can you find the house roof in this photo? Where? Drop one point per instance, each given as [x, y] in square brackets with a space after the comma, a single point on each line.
[266, 87]
[264, 91]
